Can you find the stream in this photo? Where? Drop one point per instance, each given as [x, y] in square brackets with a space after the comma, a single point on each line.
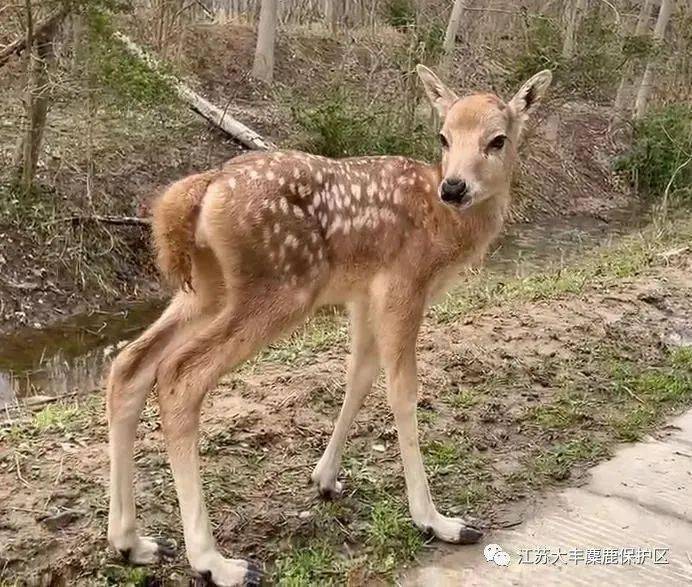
[70, 356]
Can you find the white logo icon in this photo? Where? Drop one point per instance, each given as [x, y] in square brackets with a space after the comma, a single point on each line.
[494, 554]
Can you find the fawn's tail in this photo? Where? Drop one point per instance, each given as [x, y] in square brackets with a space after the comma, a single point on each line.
[174, 219]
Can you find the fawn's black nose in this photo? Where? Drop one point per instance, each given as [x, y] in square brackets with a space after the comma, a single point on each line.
[453, 190]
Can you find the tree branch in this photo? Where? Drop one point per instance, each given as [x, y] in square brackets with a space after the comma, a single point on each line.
[20, 44]
[121, 220]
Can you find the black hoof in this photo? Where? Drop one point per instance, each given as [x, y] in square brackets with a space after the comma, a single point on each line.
[469, 535]
[253, 577]
[166, 550]
[202, 580]
[328, 493]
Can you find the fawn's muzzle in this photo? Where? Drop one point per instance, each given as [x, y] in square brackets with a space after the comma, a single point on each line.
[453, 190]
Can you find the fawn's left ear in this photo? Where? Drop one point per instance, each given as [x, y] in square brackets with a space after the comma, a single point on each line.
[531, 93]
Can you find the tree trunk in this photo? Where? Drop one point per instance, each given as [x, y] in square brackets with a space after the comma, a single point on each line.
[649, 76]
[574, 15]
[451, 34]
[29, 98]
[626, 80]
[331, 16]
[263, 67]
[644, 17]
[37, 99]
[20, 44]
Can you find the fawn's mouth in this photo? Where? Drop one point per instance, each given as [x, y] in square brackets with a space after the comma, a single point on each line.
[461, 202]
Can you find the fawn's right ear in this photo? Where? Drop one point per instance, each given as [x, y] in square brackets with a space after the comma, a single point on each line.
[531, 93]
[440, 96]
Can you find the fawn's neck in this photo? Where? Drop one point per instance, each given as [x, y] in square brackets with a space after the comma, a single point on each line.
[470, 230]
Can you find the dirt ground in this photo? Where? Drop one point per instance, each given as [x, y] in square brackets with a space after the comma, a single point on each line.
[524, 384]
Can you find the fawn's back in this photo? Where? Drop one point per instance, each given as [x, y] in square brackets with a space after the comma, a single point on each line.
[303, 219]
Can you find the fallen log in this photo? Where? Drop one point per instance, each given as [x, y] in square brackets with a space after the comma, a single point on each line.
[218, 117]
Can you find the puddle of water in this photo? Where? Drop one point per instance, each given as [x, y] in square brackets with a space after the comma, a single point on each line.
[72, 355]
[531, 247]
[69, 355]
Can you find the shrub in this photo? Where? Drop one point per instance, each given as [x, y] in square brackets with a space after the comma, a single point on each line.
[341, 126]
[662, 142]
[400, 13]
[599, 52]
[119, 76]
[542, 51]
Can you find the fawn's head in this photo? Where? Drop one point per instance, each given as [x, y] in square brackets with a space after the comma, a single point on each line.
[479, 137]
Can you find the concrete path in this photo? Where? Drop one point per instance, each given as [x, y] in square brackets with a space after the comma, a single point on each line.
[633, 522]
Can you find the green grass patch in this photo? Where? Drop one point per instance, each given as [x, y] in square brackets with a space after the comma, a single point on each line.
[127, 576]
[463, 399]
[391, 536]
[570, 409]
[558, 462]
[654, 391]
[58, 417]
[313, 565]
[382, 529]
[327, 330]
[603, 267]
[632, 426]
[681, 358]
[442, 455]
[473, 494]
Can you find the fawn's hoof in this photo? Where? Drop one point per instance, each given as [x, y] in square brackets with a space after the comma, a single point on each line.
[228, 574]
[149, 550]
[331, 492]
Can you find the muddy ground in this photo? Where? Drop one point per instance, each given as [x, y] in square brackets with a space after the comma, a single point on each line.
[524, 384]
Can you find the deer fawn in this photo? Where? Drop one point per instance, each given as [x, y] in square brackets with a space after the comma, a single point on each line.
[256, 247]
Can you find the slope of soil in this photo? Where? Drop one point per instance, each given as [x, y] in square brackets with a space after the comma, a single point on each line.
[524, 383]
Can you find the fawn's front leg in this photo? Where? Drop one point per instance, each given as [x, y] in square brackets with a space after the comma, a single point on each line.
[363, 368]
[398, 324]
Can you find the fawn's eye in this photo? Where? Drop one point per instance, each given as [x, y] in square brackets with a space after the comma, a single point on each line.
[497, 143]
[444, 142]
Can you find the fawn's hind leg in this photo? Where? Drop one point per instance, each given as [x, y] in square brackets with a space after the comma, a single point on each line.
[131, 378]
[363, 367]
[184, 377]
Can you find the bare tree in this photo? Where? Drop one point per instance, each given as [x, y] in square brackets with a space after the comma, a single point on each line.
[37, 100]
[263, 67]
[644, 17]
[626, 80]
[649, 76]
[331, 14]
[573, 13]
[451, 33]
